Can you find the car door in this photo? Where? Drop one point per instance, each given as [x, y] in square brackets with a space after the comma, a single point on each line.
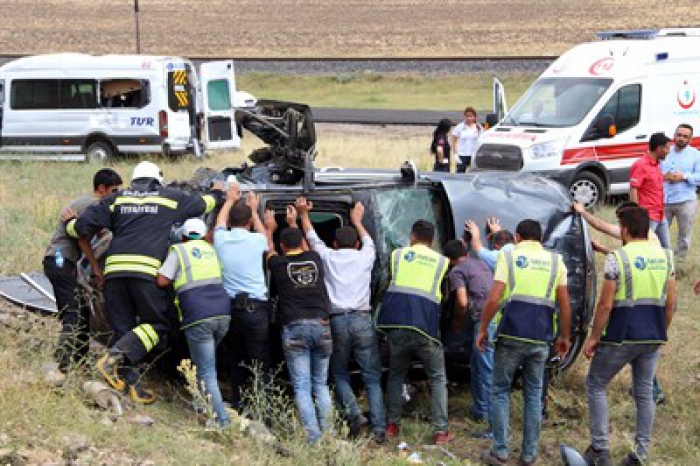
[218, 87]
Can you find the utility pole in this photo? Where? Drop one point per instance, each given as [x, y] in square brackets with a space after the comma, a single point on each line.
[138, 28]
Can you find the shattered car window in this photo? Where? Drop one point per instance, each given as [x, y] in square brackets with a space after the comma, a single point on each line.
[397, 210]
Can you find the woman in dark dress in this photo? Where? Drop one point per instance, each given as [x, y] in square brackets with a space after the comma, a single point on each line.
[440, 147]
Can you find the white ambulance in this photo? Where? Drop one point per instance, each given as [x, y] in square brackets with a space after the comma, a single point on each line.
[589, 116]
[76, 106]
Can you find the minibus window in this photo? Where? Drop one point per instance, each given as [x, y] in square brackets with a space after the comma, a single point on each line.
[219, 96]
[35, 94]
[124, 93]
[557, 102]
[78, 93]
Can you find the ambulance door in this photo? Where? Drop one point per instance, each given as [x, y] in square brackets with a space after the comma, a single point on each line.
[218, 88]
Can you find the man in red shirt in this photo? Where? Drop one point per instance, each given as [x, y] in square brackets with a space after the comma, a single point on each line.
[647, 185]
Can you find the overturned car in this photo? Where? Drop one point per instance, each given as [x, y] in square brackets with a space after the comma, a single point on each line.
[394, 200]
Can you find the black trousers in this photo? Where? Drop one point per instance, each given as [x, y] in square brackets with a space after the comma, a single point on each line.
[248, 345]
[73, 310]
[137, 314]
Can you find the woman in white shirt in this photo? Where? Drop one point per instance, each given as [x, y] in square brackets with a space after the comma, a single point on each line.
[464, 139]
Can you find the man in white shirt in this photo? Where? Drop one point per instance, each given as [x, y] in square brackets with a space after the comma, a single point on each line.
[348, 272]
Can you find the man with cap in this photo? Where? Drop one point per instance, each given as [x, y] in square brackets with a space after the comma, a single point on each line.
[647, 185]
[140, 219]
[203, 305]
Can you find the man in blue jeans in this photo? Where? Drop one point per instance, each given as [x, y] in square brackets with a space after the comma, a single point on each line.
[205, 312]
[303, 308]
[348, 271]
[531, 281]
[631, 322]
[471, 280]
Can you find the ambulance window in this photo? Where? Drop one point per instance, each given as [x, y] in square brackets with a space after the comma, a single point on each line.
[219, 95]
[78, 93]
[2, 94]
[124, 93]
[624, 108]
[34, 94]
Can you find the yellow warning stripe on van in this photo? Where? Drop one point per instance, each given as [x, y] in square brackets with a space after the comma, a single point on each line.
[182, 98]
[170, 203]
[179, 77]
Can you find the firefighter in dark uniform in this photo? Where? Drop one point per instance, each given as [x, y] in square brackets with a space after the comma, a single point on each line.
[140, 219]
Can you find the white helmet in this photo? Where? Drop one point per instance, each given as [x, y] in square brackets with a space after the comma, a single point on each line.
[147, 169]
[193, 228]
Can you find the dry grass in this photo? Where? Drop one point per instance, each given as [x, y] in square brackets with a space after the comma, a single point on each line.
[332, 28]
[31, 196]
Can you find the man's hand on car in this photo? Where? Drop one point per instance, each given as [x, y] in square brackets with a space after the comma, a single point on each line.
[578, 208]
[493, 225]
[270, 223]
[303, 206]
[234, 193]
[253, 201]
[68, 214]
[292, 216]
[356, 213]
[561, 346]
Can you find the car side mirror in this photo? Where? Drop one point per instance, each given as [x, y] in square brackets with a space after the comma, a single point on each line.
[606, 126]
[491, 121]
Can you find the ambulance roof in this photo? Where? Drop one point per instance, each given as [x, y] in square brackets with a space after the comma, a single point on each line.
[72, 61]
[626, 54]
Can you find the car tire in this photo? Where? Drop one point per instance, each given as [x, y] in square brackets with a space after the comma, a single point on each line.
[588, 189]
[99, 152]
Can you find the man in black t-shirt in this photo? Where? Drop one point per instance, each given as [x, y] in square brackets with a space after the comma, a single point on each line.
[303, 307]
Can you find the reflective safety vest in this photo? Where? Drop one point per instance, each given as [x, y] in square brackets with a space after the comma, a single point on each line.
[529, 310]
[199, 288]
[413, 298]
[639, 308]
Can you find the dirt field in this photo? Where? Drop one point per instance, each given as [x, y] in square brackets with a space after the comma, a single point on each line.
[330, 28]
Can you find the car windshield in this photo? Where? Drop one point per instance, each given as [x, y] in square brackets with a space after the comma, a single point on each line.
[557, 102]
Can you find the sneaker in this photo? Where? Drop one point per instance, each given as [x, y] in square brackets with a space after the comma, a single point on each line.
[140, 395]
[107, 366]
[522, 462]
[484, 434]
[597, 458]
[490, 458]
[379, 437]
[444, 437]
[355, 426]
[392, 430]
[659, 398]
[632, 459]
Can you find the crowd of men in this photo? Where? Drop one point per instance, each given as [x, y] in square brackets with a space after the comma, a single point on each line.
[512, 296]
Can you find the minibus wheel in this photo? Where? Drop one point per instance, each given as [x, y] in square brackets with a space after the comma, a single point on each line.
[588, 189]
[99, 152]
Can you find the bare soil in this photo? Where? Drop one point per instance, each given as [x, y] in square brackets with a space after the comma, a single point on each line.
[329, 28]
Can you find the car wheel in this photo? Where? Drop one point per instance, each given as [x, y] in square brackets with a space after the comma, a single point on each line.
[588, 189]
[99, 152]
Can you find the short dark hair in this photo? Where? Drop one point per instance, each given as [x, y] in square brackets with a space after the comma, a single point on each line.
[625, 205]
[346, 237]
[529, 230]
[657, 140]
[423, 231]
[240, 214]
[685, 126]
[291, 237]
[503, 237]
[454, 249]
[106, 177]
[636, 220]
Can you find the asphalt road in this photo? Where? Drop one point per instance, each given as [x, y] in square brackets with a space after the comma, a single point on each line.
[384, 116]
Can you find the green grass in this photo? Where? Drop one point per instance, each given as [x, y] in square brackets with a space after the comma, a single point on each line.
[386, 91]
[36, 419]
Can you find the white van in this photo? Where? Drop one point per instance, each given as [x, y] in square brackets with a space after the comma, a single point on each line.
[76, 106]
[589, 116]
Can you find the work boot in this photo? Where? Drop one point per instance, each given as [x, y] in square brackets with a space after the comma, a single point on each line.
[632, 459]
[140, 395]
[597, 458]
[108, 366]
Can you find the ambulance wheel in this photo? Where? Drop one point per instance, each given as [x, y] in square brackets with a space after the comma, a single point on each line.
[99, 152]
[588, 189]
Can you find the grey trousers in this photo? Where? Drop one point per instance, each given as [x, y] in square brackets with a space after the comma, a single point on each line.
[685, 213]
[607, 362]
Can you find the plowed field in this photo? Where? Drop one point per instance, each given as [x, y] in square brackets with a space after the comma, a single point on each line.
[327, 28]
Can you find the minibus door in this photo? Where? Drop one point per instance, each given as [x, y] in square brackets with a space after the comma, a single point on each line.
[218, 87]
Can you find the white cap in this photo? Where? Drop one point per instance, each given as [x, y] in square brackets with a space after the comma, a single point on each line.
[194, 228]
[147, 169]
